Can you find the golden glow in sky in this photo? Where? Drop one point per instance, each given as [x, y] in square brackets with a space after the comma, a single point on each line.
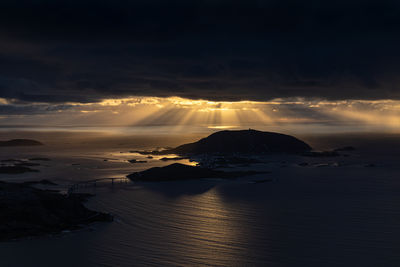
[179, 112]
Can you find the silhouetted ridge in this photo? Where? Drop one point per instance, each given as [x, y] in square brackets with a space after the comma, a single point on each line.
[20, 142]
[243, 141]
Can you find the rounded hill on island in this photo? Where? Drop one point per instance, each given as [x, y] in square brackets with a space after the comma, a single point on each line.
[245, 142]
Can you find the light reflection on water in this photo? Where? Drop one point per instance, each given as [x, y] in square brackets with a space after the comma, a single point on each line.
[210, 230]
[191, 225]
[306, 220]
[342, 216]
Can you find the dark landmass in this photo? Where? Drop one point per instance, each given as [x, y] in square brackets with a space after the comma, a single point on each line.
[222, 161]
[17, 166]
[43, 182]
[136, 161]
[27, 211]
[177, 171]
[27, 164]
[39, 159]
[240, 142]
[331, 153]
[19, 162]
[11, 160]
[321, 154]
[16, 169]
[175, 158]
[20, 142]
[225, 161]
[142, 152]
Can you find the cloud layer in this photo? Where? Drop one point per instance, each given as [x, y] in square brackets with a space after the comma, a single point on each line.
[85, 51]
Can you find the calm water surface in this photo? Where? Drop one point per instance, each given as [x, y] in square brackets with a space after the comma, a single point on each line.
[307, 216]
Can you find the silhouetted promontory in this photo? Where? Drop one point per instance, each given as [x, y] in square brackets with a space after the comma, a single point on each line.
[28, 211]
[20, 142]
[241, 141]
[177, 171]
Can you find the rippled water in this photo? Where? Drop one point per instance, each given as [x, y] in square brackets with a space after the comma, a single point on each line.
[307, 216]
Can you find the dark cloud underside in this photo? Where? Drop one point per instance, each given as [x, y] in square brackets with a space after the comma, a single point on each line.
[83, 51]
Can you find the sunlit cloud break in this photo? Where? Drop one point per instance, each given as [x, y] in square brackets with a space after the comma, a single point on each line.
[176, 111]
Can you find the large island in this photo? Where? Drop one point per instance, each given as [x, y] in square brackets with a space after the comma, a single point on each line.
[241, 142]
[222, 148]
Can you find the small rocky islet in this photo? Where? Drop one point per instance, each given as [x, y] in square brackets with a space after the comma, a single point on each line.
[17, 166]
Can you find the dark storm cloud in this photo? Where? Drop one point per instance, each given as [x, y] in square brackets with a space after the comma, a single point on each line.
[83, 51]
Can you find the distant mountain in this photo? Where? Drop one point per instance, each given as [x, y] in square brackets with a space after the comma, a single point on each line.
[243, 141]
[20, 142]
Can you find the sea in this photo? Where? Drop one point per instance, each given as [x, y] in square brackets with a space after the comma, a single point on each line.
[333, 211]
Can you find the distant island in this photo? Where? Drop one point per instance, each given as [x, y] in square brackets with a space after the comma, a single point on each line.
[18, 166]
[20, 142]
[241, 142]
[178, 172]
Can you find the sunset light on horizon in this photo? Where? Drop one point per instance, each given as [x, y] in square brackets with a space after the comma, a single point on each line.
[177, 111]
[199, 133]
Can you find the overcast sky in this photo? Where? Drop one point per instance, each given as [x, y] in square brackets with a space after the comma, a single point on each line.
[85, 51]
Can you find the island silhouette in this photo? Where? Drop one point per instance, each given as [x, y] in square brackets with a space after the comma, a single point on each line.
[177, 171]
[242, 142]
[247, 143]
[20, 142]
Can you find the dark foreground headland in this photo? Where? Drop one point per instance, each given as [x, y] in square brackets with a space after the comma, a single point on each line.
[27, 211]
[177, 171]
[20, 142]
[241, 142]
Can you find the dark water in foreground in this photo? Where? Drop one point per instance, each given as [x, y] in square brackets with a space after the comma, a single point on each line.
[344, 214]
